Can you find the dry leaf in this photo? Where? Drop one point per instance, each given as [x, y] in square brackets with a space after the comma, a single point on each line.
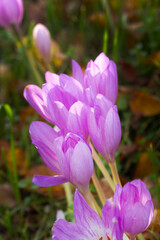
[98, 18]
[144, 166]
[144, 104]
[41, 169]
[7, 196]
[155, 226]
[155, 59]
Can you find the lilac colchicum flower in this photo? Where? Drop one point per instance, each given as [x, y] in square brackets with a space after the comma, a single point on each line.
[136, 206]
[64, 155]
[100, 77]
[42, 38]
[89, 225]
[60, 102]
[11, 12]
[104, 127]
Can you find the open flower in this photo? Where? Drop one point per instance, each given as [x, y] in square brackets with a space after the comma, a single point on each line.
[11, 12]
[60, 101]
[70, 157]
[135, 203]
[104, 127]
[89, 226]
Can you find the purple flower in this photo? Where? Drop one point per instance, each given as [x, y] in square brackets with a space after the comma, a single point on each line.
[104, 127]
[135, 203]
[60, 101]
[89, 226]
[42, 38]
[11, 12]
[69, 157]
[100, 77]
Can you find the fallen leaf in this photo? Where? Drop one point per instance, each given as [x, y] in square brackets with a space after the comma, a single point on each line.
[41, 169]
[7, 196]
[144, 166]
[155, 225]
[98, 18]
[144, 104]
[154, 59]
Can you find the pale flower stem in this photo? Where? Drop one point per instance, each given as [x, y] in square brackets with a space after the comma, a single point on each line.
[98, 188]
[115, 174]
[97, 208]
[68, 192]
[102, 168]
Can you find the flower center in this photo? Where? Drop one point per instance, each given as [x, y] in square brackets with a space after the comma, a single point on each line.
[108, 238]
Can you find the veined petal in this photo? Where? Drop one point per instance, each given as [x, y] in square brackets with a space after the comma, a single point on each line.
[63, 230]
[144, 194]
[80, 175]
[42, 132]
[87, 218]
[77, 119]
[48, 181]
[112, 220]
[72, 86]
[33, 95]
[135, 218]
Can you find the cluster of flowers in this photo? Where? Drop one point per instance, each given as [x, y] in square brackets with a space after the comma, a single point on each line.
[82, 107]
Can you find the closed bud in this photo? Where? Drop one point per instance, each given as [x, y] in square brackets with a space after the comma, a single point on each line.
[11, 12]
[42, 38]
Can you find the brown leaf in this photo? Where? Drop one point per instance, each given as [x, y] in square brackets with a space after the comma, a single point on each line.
[98, 18]
[41, 169]
[155, 226]
[7, 196]
[155, 59]
[144, 104]
[144, 166]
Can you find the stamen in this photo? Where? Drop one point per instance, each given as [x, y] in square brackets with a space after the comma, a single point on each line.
[108, 238]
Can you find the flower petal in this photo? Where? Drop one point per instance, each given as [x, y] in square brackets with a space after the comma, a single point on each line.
[33, 95]
[87, 218]
[48, 181]
[77, 72]
[63, 230]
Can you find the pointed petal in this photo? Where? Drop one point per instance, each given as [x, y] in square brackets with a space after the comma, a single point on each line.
[102, 62]
[48, 181]
[77, 72]
[33, 95]
[43, 137]
[117, 194]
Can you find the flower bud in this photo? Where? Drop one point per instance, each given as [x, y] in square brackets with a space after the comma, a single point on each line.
[11, 12]
[104, 127]
[135, 203]
[42, 38]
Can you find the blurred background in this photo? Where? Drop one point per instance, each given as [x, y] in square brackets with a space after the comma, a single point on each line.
[129, 34]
